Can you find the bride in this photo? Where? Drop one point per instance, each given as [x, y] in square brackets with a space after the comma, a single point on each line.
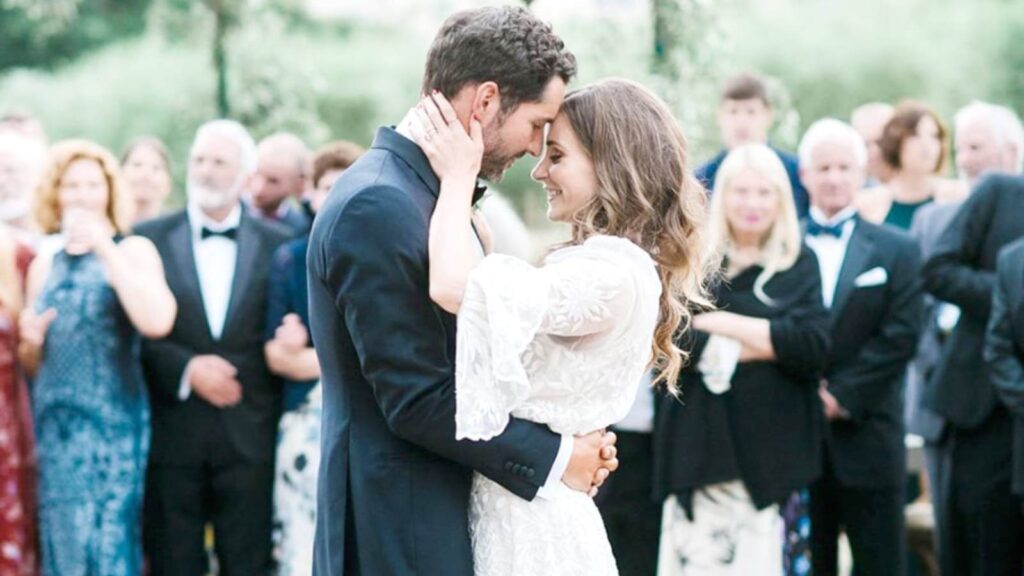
[564, 344]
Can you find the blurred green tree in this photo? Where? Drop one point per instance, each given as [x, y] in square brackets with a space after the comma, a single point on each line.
[184, 19]
[48, 33]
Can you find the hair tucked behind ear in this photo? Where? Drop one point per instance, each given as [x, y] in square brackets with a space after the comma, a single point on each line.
[646, 194]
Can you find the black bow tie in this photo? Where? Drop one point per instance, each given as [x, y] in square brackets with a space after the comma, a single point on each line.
[478, 192]
[816, 229]
[230, 233]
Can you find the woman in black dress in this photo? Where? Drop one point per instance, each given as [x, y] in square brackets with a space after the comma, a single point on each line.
[745, 432]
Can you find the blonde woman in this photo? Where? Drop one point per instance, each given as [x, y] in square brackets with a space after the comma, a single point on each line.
[745, 433]
[565, 343]
[88, 305]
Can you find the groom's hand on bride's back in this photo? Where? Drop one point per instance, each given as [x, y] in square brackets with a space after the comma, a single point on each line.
[593, 460]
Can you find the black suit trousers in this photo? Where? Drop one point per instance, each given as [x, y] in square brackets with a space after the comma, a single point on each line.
[872, 519]
[631, 516]
[985, 534]
[225, 489]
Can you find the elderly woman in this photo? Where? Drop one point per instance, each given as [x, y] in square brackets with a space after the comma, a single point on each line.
[146, 167]
[745, 433]
[89, 303]
[915, 144]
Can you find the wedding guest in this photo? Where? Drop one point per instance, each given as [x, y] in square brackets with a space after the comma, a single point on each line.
[869, 276]
[146, 166]
[915, 144]
[282, 177]
[744, 117]
[988, 139]
[215, 403]
[983, 523]
[1003, 348]
[19, 161]
[80, 337]
[32, 156]
[745, 433]
[290, 355]
[24, 124]
[631, 513]
[869, 121]
[19, 555]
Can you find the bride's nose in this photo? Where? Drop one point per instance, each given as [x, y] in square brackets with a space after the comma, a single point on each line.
[540, 171]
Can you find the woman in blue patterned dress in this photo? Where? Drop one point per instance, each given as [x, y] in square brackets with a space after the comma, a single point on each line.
[91, 299]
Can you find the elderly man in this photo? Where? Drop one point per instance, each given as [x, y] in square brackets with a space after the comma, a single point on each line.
[869, 280]
[215, 403]
[283, 171]
[18, 179]
[983, 528]
[869, 121]
[988, 139]
[23, 157]
[1004, 352]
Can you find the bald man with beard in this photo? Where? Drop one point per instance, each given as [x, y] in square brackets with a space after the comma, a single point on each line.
[282, 177]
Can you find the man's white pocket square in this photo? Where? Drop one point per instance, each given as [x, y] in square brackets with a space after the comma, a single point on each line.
[874, 277]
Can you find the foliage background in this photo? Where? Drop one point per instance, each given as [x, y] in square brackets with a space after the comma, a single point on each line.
[112, 70]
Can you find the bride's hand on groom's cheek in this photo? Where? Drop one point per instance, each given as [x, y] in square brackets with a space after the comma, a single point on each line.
[594, 458]
[453, 153]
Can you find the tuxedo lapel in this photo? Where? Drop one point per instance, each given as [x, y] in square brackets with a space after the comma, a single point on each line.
[858, 254]
[1015, 296]
[190, 297]
[248, 241]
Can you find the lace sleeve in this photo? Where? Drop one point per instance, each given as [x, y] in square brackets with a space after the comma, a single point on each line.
[507, 303]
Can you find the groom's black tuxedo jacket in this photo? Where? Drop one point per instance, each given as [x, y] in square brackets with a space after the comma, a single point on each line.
[394, 483]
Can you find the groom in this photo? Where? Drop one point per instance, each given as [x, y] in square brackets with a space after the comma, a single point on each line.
[394, 483]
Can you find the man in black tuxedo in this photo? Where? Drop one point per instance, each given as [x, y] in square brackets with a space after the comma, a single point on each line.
[984, 530]
[1004, 348]
[870, 283]
[988, 139]
[215, 404]
[394, 483]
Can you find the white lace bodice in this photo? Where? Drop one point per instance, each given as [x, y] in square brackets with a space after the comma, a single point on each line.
[563, 344]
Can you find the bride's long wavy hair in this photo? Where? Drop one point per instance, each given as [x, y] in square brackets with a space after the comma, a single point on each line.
[645, 193]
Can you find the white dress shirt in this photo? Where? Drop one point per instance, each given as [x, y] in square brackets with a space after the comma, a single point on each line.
[215, 259]
[641, 416]
[831, 251]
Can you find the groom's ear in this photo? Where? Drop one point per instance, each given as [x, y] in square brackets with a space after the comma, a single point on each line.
[486, 102]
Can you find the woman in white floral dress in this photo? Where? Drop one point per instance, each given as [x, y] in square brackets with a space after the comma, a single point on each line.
[564, 344]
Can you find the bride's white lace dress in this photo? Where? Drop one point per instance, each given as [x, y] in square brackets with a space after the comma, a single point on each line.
[563, 345]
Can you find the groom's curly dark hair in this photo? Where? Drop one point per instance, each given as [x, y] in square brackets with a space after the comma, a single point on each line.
[505, 45]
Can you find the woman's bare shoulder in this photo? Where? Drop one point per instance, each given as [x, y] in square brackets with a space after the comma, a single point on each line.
[872, 203]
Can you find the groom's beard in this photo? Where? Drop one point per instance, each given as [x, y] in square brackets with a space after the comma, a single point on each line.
[497, 158]
[494, 165]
